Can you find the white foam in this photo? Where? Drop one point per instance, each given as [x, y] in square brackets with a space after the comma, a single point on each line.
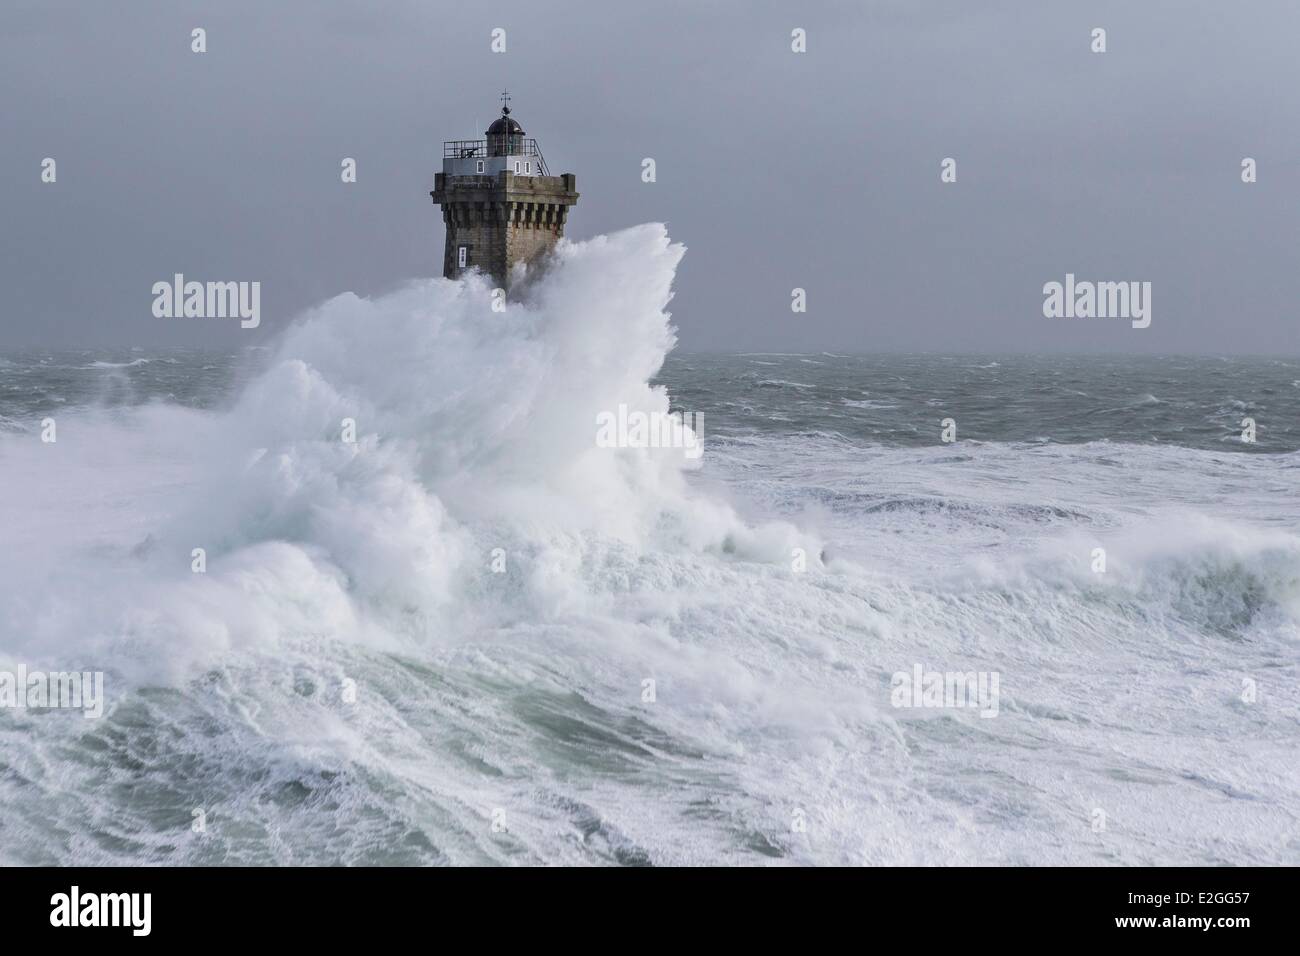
[522, 691]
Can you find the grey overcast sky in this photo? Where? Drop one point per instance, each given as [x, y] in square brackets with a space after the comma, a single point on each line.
[818, 170]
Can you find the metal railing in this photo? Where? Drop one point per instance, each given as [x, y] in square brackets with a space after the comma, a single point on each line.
[541, 160]
[464, 149]
[477, 149]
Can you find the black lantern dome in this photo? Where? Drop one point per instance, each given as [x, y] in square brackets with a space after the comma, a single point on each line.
[505, 137]
[505, 124]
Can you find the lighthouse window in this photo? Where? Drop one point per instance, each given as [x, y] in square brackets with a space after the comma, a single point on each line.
[528, 167]
[463, 255]
[516, 167]
[480, 166]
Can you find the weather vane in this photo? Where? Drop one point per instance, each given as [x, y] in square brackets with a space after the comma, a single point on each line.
[505, 101]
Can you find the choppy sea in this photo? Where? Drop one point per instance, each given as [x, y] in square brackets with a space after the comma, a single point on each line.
[472, 636]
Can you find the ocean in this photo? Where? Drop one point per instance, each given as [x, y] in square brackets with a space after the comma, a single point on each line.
[472, 635]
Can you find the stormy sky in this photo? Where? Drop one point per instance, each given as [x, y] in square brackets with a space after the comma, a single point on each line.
[777, 170]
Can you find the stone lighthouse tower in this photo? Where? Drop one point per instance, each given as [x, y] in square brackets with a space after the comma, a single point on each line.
[500, 203]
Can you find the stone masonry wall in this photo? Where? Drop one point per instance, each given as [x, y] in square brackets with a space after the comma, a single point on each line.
[503, 221]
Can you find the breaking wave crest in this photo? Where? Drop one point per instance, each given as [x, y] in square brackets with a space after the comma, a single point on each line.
[474, 431]
[472, 615]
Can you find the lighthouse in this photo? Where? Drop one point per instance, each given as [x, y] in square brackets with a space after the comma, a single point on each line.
[500, 203]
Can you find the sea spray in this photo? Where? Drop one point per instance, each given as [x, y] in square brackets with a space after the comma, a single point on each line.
[436, 624]
[470, 430]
